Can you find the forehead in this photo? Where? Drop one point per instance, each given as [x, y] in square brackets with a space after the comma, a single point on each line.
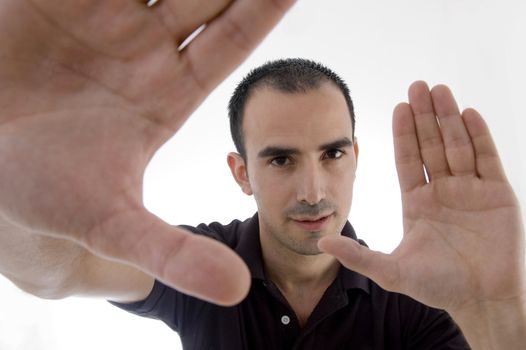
[299, 119]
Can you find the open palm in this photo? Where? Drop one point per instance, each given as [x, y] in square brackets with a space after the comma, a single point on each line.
[89, 90]
[463, 238]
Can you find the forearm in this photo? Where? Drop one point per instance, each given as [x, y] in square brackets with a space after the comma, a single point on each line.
[494, 326]
[38, 264]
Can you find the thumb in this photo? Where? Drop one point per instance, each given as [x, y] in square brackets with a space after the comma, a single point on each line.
[380, 267]
[193, 264]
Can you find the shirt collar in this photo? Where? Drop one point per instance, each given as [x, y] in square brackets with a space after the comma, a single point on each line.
[249, 248]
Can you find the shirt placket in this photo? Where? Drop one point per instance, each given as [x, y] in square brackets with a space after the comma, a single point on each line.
[333, 300]
[285, 318]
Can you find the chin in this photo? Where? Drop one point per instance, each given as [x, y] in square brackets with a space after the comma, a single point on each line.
[308, 248]
[309, 251]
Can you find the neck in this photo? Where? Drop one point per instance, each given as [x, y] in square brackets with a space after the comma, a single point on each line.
[302, 279]
[291, 271]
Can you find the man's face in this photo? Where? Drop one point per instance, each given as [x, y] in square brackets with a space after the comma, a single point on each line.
[301, 164]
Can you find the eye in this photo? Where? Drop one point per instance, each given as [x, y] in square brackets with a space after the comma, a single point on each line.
[333, 154]
[280, 161]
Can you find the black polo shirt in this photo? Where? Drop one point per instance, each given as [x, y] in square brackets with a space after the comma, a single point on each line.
[354, 312]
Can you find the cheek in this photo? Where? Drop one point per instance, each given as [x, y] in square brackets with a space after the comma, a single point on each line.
[270, 191]
[342, 185]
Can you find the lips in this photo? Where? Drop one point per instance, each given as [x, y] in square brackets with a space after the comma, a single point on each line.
[313, 224]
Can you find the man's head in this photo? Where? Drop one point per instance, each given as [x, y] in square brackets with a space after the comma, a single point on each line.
[293, 75]
[297, 152]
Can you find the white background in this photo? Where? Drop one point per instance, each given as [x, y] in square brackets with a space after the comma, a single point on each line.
[379, 48]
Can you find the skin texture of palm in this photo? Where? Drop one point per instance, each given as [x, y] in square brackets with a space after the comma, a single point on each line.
[90, 90]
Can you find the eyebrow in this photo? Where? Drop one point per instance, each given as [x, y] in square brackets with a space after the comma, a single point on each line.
[277, 151]
[340, 143]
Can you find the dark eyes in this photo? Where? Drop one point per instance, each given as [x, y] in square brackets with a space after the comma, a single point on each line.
[280, 161]
[283, 161]
[333, 154]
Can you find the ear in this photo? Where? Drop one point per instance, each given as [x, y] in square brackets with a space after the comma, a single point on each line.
[237, 166]
[356, 149]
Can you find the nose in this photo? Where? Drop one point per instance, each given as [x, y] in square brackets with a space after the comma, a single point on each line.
[311, 184]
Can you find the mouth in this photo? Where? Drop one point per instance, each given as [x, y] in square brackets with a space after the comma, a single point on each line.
[313, 224]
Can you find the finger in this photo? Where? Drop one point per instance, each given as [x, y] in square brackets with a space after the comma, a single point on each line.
[229, 39]
[487, 159]
[193, 264]
[379, 267]
[457, 143]
[428, 131]
[181, 17]
[407, 154]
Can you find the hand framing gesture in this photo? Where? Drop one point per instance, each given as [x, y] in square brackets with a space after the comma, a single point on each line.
[463, 243]
[89, 90]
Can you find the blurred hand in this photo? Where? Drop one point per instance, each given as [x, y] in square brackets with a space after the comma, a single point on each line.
[463, 242]
[89, 90]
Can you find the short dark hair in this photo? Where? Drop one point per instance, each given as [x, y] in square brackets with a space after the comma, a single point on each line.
[288, 75]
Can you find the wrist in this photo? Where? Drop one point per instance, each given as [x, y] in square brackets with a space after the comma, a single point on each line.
[494, 324]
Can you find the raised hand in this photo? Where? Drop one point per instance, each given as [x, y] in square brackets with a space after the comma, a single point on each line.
[463, 243]
[89, 90]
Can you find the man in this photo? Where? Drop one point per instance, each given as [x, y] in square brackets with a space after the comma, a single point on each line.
[293, 125]
[74, 148]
